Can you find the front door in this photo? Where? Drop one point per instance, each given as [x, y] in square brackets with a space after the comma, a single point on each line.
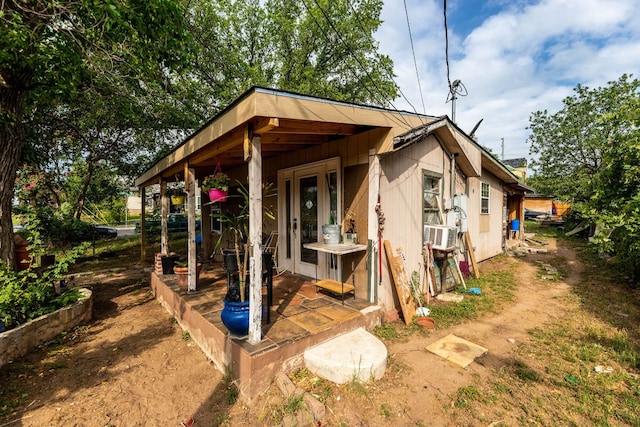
[310, 200]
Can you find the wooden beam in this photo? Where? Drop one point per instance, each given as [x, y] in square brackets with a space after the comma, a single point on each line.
[219, 146]
[186, 174]
[403, 286]
[255, 242]
[265, 124]
[190, 179]
[164, 214]
[472, 255]
[313, 128]
[143, 225]
[246, 143]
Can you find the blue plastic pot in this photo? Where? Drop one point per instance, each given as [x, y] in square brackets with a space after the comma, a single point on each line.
[235, 317]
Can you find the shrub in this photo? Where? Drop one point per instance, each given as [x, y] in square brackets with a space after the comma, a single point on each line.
[27, 294]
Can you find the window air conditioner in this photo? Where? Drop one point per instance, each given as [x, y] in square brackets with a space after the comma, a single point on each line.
[440, 236]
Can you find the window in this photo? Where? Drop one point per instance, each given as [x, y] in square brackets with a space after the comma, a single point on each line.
[216, 225]
[484, 198]
[430, 197]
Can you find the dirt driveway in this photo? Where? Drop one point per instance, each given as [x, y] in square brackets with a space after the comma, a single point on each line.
[134, 366]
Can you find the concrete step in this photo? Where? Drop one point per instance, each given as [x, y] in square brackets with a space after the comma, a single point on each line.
[356, 355]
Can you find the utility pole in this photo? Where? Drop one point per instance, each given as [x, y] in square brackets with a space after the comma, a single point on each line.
[502, 148]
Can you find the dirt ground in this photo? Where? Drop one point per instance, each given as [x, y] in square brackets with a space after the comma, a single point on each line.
[133, 366]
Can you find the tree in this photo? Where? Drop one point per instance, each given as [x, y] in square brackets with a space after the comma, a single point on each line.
[321, 48]
[589, 153]
[50, 48]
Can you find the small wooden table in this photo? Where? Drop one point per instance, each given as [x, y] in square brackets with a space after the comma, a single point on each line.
[338, 287]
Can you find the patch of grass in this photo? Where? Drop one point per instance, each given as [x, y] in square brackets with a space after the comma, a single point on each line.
[466, 395]
[497, 288]
[221, 420]
[231, 390]
[316, 386]
[524, 372]
[356, 386]
[11, 398]
[386, 332]
[385, 411]
[294, 403]
[186, 335]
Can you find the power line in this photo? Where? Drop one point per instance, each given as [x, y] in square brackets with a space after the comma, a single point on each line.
[415, 63]
[457, 87]
[390, 75]
[346, 45]
[446, 44]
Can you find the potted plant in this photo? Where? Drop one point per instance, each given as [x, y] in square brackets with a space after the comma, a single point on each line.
[181, 270]
[350, 236]
[168, 261]
[176, 193]
[217, 185]
[235, 314]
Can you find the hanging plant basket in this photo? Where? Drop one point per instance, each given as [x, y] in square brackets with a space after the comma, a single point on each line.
[218, 195]
[177, 200]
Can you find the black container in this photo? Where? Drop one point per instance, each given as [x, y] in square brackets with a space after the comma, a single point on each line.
[168, 261]
[230, 262]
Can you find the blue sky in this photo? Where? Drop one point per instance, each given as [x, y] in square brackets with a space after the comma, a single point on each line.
[514, 57]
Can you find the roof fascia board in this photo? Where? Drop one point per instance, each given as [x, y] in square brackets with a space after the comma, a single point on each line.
[240, 112]
[452, 140]
[261, 102]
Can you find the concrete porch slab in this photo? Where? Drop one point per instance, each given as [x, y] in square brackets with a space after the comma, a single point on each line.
[297, 323]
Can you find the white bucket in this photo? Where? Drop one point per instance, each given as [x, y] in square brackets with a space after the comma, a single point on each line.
[331, 234]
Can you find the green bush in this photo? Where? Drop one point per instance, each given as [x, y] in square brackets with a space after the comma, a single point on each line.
[21, 301]
[27, 294]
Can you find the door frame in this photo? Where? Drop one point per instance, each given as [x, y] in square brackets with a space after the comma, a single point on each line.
[289, 251]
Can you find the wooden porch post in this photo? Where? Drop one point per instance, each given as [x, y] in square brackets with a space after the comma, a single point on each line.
[143, 227]
[164, 213]
[372, 228]
[205, 229]
[255, 240]
[190, 184]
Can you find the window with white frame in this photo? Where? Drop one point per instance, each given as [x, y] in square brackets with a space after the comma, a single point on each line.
[484, 198]
[216, 225]
[431, 197]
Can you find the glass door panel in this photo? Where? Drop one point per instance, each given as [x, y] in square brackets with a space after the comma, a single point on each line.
[308, 218]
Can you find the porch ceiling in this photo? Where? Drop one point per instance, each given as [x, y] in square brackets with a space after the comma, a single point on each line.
[285, 122]
[278, 135]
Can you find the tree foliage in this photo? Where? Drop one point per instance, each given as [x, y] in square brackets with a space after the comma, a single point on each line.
[321, 48]
[589, 153]
[93, 87]
[50, 49]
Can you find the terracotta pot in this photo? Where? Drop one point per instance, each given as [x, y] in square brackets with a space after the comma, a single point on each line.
[182, 274]
[426, 322]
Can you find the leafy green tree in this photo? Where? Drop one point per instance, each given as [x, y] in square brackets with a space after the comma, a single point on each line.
[589, 153]
[322, 48]
[51, 48]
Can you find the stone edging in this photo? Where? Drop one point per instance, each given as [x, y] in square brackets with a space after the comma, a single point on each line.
[17, 342]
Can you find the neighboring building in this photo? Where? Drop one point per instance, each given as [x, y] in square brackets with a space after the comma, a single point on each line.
[518, 167]
[330, 157]
[541, 203]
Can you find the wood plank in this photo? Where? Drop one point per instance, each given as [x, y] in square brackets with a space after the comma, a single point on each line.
[335, 286]
[472, 255]
[255, 241]
[403, 286]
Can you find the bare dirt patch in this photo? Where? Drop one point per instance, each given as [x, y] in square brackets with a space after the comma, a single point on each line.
[133, 365]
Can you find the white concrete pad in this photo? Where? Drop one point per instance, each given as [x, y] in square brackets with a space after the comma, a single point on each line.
[354, 355]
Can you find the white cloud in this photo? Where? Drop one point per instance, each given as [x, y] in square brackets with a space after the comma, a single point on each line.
[524, 58]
